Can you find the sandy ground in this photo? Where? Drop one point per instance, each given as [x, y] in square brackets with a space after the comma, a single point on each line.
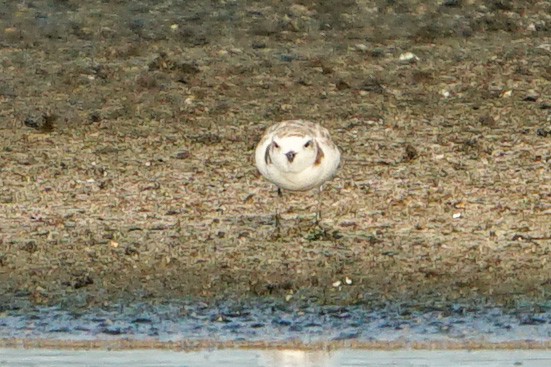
[127, 132]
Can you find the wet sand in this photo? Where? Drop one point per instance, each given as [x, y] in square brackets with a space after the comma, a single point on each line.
[192, 325]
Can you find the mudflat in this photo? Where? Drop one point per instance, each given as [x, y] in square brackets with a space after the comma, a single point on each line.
[127, 132]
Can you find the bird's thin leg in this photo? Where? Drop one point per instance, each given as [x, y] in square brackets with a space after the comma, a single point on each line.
[277, 217]
[318, 212]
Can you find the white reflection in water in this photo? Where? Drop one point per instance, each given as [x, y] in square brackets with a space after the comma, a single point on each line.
[296, 358]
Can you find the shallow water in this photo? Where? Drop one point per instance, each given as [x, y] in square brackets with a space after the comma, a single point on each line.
[273, 358]
[277, 322]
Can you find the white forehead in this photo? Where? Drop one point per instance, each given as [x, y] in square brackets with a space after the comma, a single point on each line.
[292, 142]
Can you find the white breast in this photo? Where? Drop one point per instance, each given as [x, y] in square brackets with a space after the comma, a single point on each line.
[312, 176]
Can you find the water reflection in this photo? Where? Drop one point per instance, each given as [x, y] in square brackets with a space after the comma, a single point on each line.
[297, 358]
[274, 358]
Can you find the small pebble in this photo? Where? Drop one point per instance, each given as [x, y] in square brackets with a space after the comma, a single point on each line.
[531, 96]
[507, 94]
[408, 57]
[361, 47]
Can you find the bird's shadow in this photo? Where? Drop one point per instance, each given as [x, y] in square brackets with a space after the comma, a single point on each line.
[306, 227]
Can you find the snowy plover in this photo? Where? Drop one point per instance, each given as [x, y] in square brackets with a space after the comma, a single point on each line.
[297, 155]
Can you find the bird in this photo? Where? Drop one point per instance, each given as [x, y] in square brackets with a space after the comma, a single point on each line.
[297, 155]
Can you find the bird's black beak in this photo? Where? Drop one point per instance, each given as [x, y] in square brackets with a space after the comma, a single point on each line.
[290, 156]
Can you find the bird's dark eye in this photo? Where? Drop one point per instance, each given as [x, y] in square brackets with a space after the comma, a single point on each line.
[308, 144]
[276, 145]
